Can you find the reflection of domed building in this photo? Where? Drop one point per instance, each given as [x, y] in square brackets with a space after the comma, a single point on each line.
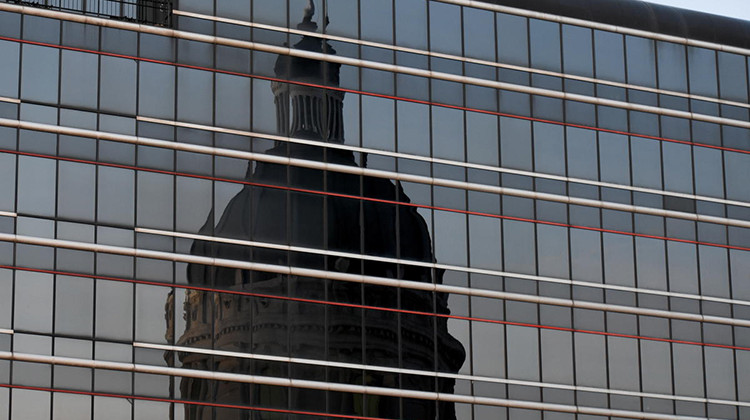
[309, 330]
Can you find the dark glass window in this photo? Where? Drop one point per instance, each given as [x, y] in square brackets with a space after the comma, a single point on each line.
[74, 306]
[613, 158]
[479, 29]
[376, 17]
[737, 167]
[78, 80]
[33, 301]
[512, 39]
[36, 186]
[732, 76]
[39, 73]
[9, 67]
[515, 143]
[156, 78]
[482, 138]
[610, 56]
[448, 133]
[641, 59]
[445, 28]
[709, 178]
[702, 69]
[544, 42]
[413, 138]
[549, 148]
[678, 168]
[232, 101]
[155, 200]
[646, 163]
[377, 123]
[672, 66]
[118, 85]
[577, 52]
[619, 267]
[522, 353]
[273, 12]
[229, 8]
[582, 153]
[342, 15]
[7, 182]
[76, 187]
[195, 96]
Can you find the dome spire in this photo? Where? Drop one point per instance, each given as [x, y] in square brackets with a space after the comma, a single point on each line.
[306, 108]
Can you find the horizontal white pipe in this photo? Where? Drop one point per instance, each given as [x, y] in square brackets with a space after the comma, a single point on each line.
[376, 173]
[457, 58]
[4, 331]
[332, 386]
[597, 25]
[273, 49]
[10, 100]
[441, 161]
[364, 279]
[8, 214]
[357, 366]
[449, 267]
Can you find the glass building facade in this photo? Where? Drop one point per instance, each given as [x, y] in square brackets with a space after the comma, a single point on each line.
[373, 209]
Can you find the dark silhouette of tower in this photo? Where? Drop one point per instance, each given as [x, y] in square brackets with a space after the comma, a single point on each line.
[281, 327]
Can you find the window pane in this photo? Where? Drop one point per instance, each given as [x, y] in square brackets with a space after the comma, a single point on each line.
[523, 353]
[117, 91]
[641, 61]
[36, 186]
[445, 28]
[732, 76]
[156, 78]
[549, 149]
[7, 182]
[412, 136]
[484, 234]
[477, 25]
[155, 200]
[233, 101]
[545, 44]
[195, 96]
[482, 138]
[448, 133]
[702, 68]
[672, 71]
[375, 20]
[76, 187]
[515, 143]
[79, 79]
[9, 66]
[656, 367]
[557, 357]
[610, 56]
[74, 306]
[512, 39]
[577, 52]
[623, 357]
[115, 197]
[33, 301]
[40, 73]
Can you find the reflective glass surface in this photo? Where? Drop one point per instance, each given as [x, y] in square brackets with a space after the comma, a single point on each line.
[369, 209]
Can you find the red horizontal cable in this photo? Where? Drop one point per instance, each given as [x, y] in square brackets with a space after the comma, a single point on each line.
[377, 200]
[196, 403]
[379, 95]
[370, 307]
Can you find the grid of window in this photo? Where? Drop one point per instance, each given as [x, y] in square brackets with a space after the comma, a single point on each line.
[176, 206]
